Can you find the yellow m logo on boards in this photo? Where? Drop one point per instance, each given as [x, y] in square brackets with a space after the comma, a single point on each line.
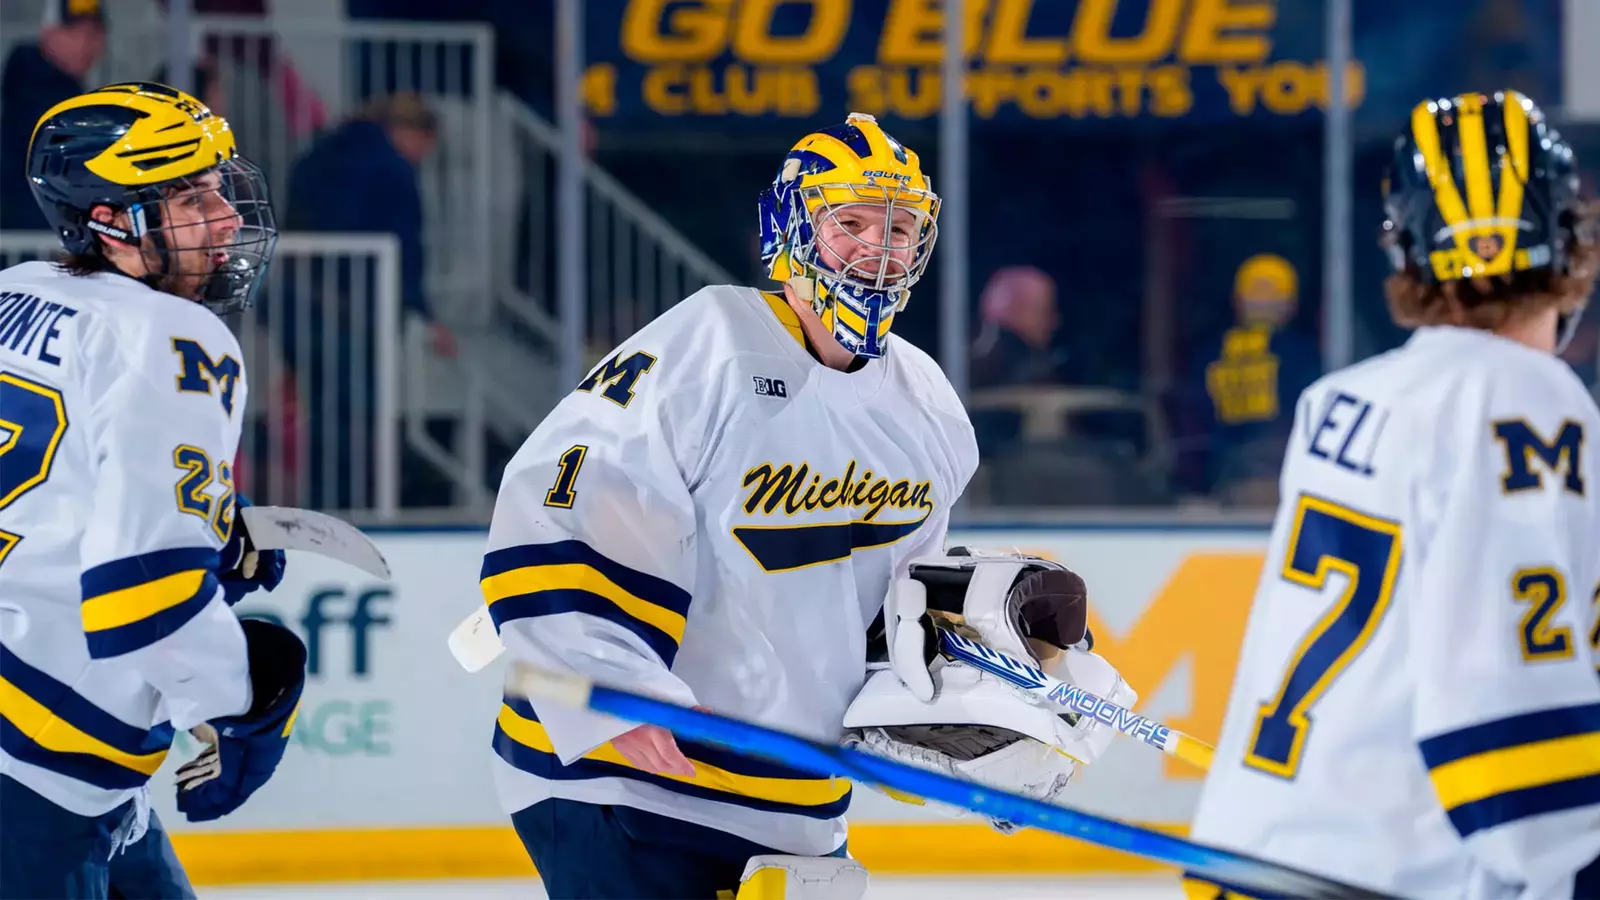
[1198, 615]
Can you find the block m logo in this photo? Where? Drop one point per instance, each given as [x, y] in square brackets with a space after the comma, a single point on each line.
[619, 377]
[1523, 446]
[1198, 618]
[201, 373]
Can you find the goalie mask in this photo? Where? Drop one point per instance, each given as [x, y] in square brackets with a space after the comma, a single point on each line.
[977, 725]
[850, 223]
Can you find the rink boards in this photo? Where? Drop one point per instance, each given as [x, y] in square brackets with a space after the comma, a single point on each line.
[388, 771]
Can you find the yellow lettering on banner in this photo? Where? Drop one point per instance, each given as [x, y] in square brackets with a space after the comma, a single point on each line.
[753, 40]
[599, 89]
[1043, 93]
[987, 89]
[660, 91]
[1091, 33]
[1171, 95]
[790, 91]
[1200, 613]
[1009, 43]
[1089, 73]
[1212, 32]
[1288, 87]
[1206, 43]
[913, 32]
[910, 93]
[696, 33]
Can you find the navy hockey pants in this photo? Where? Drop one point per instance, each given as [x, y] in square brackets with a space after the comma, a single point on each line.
[49, 852]
[596, 852]
[150, 869]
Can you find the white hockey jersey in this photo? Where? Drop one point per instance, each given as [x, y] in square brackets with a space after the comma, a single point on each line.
[714, 518]
[1416, 707]
[120, 410]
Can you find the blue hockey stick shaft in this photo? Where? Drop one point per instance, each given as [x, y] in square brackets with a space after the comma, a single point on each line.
[1255, 876]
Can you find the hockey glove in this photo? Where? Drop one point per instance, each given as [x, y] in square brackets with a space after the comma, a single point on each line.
[245, 750]
[244, 568]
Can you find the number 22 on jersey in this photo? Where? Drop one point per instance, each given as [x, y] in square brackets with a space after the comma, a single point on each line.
[1326, 538]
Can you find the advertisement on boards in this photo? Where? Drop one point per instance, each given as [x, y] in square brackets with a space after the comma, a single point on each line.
[392, 733]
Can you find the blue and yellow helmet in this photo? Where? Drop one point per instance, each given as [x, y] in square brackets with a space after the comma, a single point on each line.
[851, 165]
[1482, 186]
[1479, 186]
[131, 146]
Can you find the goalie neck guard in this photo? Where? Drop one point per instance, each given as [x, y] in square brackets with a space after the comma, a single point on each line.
[857, 166]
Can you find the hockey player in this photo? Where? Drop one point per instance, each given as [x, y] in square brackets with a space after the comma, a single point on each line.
[121, 395]
[714, 517]
[1416, 708]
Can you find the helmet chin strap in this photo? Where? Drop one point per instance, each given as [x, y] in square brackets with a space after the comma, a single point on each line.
[805, 286]
[1567, 328]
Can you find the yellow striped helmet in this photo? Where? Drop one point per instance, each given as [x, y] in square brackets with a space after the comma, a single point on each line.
[859, 167]
[1479, 187]
[132, 146]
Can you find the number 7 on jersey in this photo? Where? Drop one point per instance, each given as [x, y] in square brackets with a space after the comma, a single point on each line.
[1326, 538]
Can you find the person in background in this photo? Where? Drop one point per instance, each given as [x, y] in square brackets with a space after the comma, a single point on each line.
[362, 176]
[1238, 426]
[38, 75]
[1019, 320]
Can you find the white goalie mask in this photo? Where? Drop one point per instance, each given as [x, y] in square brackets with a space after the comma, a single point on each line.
[977, 725]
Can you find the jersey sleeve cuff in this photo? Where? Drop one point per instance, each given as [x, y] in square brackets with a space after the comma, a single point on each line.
[529, 581]
[1498, 772]
[133, 602]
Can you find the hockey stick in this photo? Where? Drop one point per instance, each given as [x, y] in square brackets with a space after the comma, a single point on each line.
[1235, 870]
[1036, 683]
[475, 644]
[287, 528]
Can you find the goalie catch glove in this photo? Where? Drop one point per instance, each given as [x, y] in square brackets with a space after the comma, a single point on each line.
[957, 719]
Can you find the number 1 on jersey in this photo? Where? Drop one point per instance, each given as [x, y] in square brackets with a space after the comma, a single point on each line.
[1326, 538]
[562, 495]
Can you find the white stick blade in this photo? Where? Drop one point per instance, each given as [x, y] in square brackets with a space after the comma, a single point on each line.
[287, 528]
[474, 642]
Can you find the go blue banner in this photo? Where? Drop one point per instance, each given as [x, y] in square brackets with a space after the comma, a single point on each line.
[749, 62]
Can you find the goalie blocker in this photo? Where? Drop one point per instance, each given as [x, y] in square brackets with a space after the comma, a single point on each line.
[920, 708]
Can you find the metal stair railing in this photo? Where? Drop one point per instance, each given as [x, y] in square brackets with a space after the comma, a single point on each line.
[639, 265]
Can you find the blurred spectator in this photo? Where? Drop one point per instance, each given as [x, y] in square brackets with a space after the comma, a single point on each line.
[1015, 343]
[362, 176]
[1236, 430]
[37, 76]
